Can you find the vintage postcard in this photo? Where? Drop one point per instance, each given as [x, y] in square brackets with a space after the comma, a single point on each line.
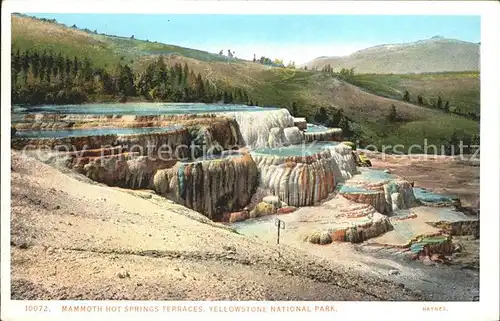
[250, 159]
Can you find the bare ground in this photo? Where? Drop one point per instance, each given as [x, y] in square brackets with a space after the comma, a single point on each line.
[442, 174]
[72, 239]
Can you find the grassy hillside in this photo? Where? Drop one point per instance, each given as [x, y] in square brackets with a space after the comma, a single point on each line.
[461, 89]
[431, 55]
[365, 105]
[103, 50]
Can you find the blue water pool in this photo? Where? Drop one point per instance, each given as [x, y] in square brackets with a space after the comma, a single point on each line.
[142, 109]
[223, 155]
[306, 149]
[430, 197]
[374, 175]
[92, 132]
[354, 189]
[316, 128]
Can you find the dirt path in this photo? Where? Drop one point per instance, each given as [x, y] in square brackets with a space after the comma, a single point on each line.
[72, 239]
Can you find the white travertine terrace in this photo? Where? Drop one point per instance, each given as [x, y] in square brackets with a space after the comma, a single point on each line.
[304, 180]
[263, 128]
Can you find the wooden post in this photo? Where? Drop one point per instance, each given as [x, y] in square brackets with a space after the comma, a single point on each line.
[280, 225]
[278, 239]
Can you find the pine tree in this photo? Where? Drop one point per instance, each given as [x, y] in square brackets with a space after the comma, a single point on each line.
[466, 142]
[245, 97]
[79, 80]
[321, 116]
[178, 74]
[68, 67]
[191, 81]
[406, 96]
[13, 75]
[35, 64]
[108, 83]
[345, 125]
[126, 81]
[294, 109]
[75, 66]
[209, 92]
[16, 66]
[239, 98]
[43, 66]
[185, 75]
[60, 65]
[392, 117]
[476, 140]
[452, 143]
[420, 100]
[50, 64]
[447, 106]
[147, 83]
[160, 72]
[87, 70]
[200, 88]
[337, 118]
[25, 63]
[186, 95]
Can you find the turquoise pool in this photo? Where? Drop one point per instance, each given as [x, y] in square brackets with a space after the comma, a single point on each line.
[92, 132]
[142, 109]
[430, 197]
[374, 175]
[316, 128]
[306, 149]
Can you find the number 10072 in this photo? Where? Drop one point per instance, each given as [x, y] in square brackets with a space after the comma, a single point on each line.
[37, 308]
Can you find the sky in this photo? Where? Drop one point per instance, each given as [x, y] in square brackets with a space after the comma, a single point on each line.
[298, 38]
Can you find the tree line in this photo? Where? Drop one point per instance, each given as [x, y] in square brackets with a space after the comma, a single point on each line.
[441, 105]
[52, 78]
[270, 62]
[343, 72]
[337, 119]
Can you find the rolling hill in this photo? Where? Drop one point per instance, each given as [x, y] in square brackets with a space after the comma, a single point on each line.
[269, 86]
[436, 54]
[460, 89]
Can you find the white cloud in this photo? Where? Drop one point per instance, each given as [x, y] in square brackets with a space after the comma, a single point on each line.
[300, 53]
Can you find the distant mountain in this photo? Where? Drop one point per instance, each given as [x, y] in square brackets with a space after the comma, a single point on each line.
[437, 54]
